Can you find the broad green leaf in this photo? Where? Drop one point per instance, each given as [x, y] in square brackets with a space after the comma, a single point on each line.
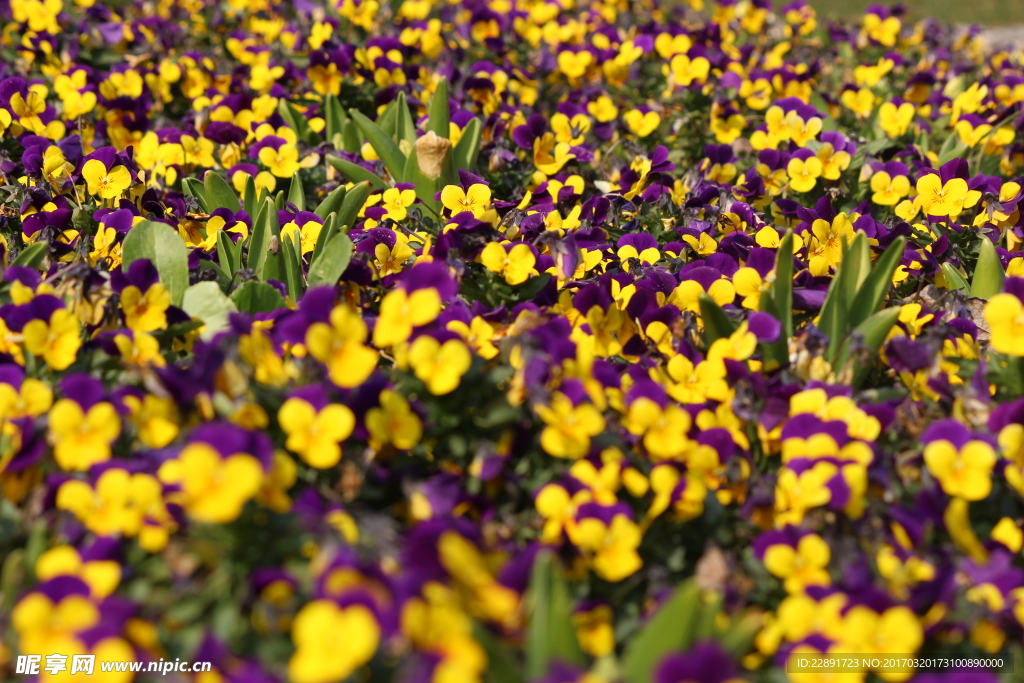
[331, 203]
[671, 629]
[161, 244]
[228, 253]
[717, 323]
[466, 151]
[550, 634]
[834, 318]
[330, 264]
[350, 207]
[292, 266]
[195, 188]
[386, 148]
[988, 274]
[954, 278]
[205, 301]
[33, 255]
[355, 173]
[220, 195]
[296, 193]
[439, 118]
[257, 297]
[878, 283]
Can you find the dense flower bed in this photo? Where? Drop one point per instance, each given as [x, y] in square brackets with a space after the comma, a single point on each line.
[507, 341]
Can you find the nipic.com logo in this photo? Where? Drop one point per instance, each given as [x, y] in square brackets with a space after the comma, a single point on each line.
[34, 665]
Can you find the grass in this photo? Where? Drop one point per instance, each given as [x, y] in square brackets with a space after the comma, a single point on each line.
[985, 12]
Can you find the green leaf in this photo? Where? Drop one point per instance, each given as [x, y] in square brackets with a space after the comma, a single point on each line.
[355, 173]
[468, 148]
[292, 261]
[669, 630]
[858, 262]
[877, 284]
[873, 333]
[264, 227]
[350, 137]
[988, 274]
[405, 129]
[296, 121]
[386, 148]
[717, 323]
[439, 118]
[330, 264]
[205, 301]
[334, 116]
[329, 230]
[250, 198]
[296, 194]
[738, 639]
[426, 187]
[834, 318]
[502, 666]
[228, 253]
[195, 188]
[33, 255]
[257, 297]
[781, 290]
[952, 148]
[351, 206]
[161, 244]
[220, 195]
[954, 278]
[331, 203]
[550, 634]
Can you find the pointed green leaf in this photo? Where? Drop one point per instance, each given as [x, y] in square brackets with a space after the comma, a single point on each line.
[329, 229]
[220, 195]
[873, 333]
[671, 629]
[355, 173]
[250, 198]
[388, 119]
[781, 289]
[257, 297]
[350, 137]
[502, 666]
[405, 129]
[352, 204]
[426, 187]
[717, 323]
[550, 634]
[954, 278]
[228, 253]
[205, 301]
[468, 148]
[988, 275]
[331, 202]
[195, 188]
[264, 227]
[330, 264]
[878, 283]
[386, 148]
[439, 117]
[296, 193]
[334, 116]
[292, 261]
[738, 639]
[161, 244]
[296, 121]
[33, 255]
[858, 260]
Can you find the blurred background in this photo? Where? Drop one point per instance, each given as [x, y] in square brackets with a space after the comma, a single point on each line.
[986, 12]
